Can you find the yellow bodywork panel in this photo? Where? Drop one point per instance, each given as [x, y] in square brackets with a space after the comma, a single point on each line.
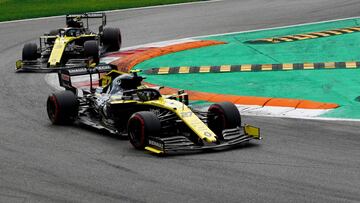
[252, 131]
[60, 45]
[183, 112]
[192, 121]
[19, 64]
[153, 150]
[58, 50]
[106, 79]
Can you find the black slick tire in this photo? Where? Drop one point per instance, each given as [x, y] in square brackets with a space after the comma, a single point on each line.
[91, 49]
[62, 107]
[29, 52]
[111, 39]
[141, 125]
[223, 116]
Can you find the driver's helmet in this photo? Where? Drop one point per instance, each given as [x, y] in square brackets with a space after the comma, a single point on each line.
[74, 22]
[125, 82]
[73, 32]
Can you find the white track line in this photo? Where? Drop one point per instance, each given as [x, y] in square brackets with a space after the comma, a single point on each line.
[241, 32]
[119, 10]
[306, 118]
[280, 27]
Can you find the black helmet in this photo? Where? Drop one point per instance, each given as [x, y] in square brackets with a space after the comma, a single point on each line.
[125, 82]
[74, 22]
[129, 81]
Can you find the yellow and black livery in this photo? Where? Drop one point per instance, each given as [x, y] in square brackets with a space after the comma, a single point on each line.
[161, 124]
[70, 46]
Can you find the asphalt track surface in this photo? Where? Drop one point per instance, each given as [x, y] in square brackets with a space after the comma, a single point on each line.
[298, 161]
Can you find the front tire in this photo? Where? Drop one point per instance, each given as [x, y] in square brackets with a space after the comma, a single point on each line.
[62, 107]
[30, 52]
[223, 116]
[141, 125]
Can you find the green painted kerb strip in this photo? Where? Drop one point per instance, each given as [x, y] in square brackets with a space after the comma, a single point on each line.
[252, 68]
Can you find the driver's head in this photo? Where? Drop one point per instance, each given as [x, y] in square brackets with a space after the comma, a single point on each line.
[128, 82]
[74, 22]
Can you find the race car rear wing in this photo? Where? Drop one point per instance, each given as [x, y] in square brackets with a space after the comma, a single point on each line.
[66, 74]
[87, 16]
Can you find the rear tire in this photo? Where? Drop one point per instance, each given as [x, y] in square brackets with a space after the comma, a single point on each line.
[141, 125]
[111, 39]
[62, 107]
[29, 52]
[91, 49]
[223, 116]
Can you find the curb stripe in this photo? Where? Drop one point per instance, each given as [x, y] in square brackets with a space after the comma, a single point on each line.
[251, 100]
[305, 36]
[126, 63]
[130, 61]
[351, 65]
[252, 68]
[241, 100]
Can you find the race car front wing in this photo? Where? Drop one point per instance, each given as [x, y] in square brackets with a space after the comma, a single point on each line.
[40, 65]
[181, 144]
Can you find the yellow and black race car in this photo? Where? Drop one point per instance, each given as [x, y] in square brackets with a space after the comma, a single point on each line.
[70, 45]
[161, 124]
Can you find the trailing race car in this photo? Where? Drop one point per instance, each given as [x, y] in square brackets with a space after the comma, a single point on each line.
[70, 45]
[161, 124]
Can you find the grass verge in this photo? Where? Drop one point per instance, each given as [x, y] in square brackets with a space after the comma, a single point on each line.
[22, 9]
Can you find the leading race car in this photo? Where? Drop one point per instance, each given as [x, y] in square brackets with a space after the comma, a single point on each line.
[70, 45]
[161, 124]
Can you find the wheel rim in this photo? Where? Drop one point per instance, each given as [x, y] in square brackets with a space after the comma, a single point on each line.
[52, 109]
[136, 131]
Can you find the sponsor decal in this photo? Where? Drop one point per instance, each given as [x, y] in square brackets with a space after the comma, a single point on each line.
[104, 68]
[155, 111]
[207, 134]
[75, 70]
[156, 144]
[186, 114]
[58, 46]
[199, 125]
[169, 102]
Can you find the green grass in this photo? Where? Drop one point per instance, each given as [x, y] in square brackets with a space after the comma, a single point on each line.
[22, 9]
